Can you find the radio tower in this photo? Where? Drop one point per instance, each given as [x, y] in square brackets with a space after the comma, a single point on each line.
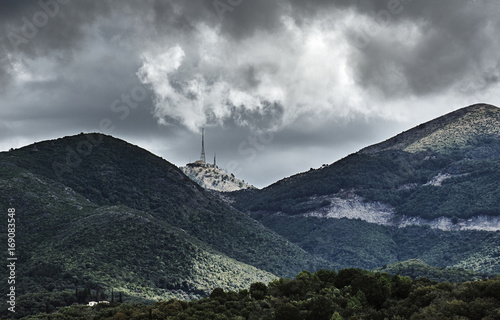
[202, 157]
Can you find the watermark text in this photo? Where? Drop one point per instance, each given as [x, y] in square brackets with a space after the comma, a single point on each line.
[11, 259]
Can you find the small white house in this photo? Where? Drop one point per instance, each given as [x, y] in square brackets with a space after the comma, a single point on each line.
[94, 303]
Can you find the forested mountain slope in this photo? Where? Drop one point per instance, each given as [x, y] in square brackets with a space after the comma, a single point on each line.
[430, 193]
[96, 214]
[444, 173]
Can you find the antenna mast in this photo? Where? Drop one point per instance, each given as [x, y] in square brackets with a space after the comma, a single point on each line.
[202, 157]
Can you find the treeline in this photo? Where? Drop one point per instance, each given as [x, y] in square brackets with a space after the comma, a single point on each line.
[323, 295]
[50, 301]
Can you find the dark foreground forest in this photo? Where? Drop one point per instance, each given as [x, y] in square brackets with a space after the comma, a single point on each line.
[328, 295]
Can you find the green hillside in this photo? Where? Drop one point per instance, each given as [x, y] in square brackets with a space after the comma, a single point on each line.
[463, 146]
[117, 218]
[397, 178]
[359, 244]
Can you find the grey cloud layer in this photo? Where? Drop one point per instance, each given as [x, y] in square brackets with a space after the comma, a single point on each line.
[449, 32]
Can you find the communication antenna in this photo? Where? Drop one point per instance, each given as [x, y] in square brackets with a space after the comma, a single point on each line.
[202, 157]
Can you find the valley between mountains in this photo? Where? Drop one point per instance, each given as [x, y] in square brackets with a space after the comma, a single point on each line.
[98, 217]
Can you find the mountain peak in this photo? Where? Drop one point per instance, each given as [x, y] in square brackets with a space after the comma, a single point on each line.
[455, 130]
[211, 177]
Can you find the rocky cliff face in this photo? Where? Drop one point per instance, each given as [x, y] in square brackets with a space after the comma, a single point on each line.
[213, 178]
[354, 207]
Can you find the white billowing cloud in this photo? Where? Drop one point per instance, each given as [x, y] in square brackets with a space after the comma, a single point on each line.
[156, 71]
[303, 69]
[188, 97]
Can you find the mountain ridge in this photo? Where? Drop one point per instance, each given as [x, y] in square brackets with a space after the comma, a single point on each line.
[408, 140]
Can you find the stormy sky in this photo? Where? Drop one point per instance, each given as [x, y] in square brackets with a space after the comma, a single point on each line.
[279, 86]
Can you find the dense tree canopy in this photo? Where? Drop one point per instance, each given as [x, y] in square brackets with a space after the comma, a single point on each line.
[323, 295]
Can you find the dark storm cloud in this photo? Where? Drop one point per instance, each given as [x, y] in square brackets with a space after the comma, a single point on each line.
[5, 75]
[11, 9]
[453, 40]
[40, 28]
[47, 29]
[253, 15]
[174, 15]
